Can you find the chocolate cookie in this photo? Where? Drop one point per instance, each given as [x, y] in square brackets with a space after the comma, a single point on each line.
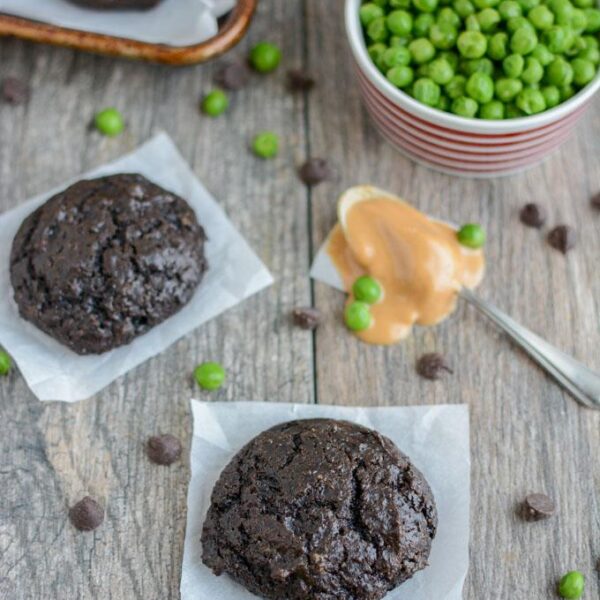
[319, 509]
[105, 261]
[137, 4]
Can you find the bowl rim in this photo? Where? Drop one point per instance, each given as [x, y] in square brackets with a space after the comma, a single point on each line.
[442, 118]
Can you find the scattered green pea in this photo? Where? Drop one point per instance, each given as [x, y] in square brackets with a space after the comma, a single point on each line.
[358, 316]
[572, 585]
[109, 122]
[367, 289]
[209, 376]
[215, 103]
[265, 57]
[266, 145]
[471, 236]
[5, 363]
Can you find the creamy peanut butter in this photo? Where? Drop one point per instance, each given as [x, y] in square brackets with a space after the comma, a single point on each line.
[418, 261]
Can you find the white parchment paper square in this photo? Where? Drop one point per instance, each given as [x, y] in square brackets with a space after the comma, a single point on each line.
[173, 22]
[52, 371]
[435, 437]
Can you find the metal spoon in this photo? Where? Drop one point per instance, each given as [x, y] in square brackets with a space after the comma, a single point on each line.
[580, 381]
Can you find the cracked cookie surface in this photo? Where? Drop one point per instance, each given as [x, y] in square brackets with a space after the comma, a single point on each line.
[319, 509]
[106, 260]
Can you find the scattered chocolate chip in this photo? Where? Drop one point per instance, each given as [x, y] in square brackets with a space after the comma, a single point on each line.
[87, 514]
[232, 76]
[314, 171]
[537, 507]
[596, 201]
[300, 80]
[432, 366]
[562, 238]
[163, 449]
[306, 318]
[533, 215]
[14, 91]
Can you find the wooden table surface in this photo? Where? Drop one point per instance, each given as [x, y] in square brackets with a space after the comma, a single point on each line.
[527, 434]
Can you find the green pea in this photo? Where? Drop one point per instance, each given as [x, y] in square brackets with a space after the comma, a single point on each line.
[400, 22]
[397, 40]
[440, 71]
[358, 316]
[448, 16]
[509, 9]
[527, 5]
[423, 24]
[456, 87]
[508, 89]
[557, 39]
[533, 71]
[497, 46]
[451, 58]
[422, 50]
[463, 8]
[377, 31]
[443, 35]
[215, 103]
[444, 103]
[542, 55]
[519, 23]
[480, 87]
[566, 92]
[265, 57]
[427, 91]
[426, 6]
[572, 585]
[493, 110]
[559, 72]
[472, 236]
[399, 55]
[579, 44]
[266, 145]
[512, 111]
[523, 41]
[477, 65]
[472, 23]
[481, 4]
[109, 122]
[563, 9]
[209, 376]
[376, 52]
[583, 71]
[472, 44]
[591, 41]
[584, 3]
[367, 289]
[591, 54]
[405, 4]
[488, 19]
[513, 65]
[592, 16]
[369, 12]
[578, 21]
[551, 96]
[531, 101]
[401, 76]
[464, 107]
[541, 17]
[5, 363]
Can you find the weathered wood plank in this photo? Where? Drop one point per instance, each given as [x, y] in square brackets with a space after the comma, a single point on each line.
[527, 434]
[51, 454]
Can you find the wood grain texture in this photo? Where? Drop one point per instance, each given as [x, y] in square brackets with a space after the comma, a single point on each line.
[527, 435]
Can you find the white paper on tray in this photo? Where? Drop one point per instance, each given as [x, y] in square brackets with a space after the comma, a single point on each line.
[52, 371]
[435, 437]
[173, 22]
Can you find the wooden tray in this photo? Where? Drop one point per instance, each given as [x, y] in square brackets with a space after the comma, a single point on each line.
[230, 33]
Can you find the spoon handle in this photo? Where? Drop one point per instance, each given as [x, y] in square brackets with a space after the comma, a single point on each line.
[580, 381]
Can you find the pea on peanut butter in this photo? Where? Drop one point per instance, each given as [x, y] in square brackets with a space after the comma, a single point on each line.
[419, 262]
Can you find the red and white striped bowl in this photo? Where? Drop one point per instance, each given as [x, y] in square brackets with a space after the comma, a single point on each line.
[453, 144]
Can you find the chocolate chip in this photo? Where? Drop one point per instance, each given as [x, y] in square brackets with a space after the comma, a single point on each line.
[533, 215]
[306, 318]
[595, 201]
[537, 507]
[14, 91]
[432, 366]
[300, 80]
[163, 449]
[87, 514]
[314, 171]
[232, 76]
[562, 238]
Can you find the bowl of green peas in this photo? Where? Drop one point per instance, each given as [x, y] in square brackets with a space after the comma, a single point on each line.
[476, 87]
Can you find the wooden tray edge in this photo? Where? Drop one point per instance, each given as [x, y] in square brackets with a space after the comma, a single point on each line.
[228, 36]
